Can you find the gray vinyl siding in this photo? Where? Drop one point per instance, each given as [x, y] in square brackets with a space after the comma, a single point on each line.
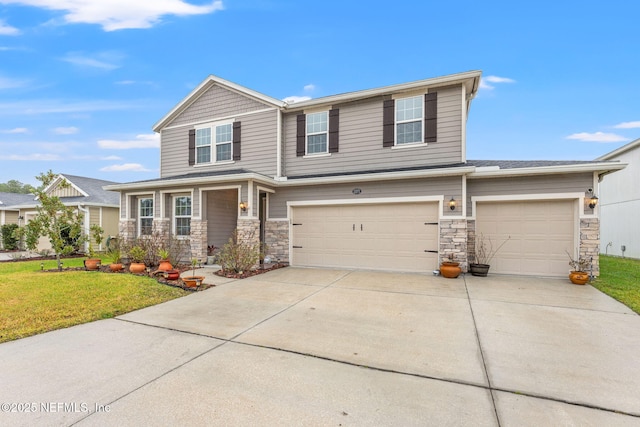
[446, 186]
[258, 147]
[360, 134]
[562, 183]
[221, 216]
[217, 102]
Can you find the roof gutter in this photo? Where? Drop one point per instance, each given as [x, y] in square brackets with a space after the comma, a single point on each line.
[190, 181]
[491, 172]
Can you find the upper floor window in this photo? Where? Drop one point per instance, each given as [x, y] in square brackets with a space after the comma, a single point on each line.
[409, 120]
[317, 132]
[146, 216]
[182, 215]
[215, 143]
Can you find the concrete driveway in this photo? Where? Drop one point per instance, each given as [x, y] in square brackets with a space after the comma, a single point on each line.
[331, 347]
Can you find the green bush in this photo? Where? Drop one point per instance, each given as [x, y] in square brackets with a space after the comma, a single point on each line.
[237, 256]
[9, 240]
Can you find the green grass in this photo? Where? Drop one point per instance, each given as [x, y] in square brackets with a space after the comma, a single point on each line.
[33, 301]
[620, 279]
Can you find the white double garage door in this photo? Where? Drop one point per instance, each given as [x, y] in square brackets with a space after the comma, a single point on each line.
[405, 236]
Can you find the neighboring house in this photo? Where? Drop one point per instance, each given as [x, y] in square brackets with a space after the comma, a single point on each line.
[373, 179]
[98, 206]
[619, 200]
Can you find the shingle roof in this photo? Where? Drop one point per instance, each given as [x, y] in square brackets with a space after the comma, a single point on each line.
[514, 164]
[91, 186]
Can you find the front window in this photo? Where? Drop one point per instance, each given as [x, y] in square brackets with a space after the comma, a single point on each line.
[317, 135]
[203, 145]
[214, 143]
[146, 216]
[224, 138]
[409, 120]
[182, 215]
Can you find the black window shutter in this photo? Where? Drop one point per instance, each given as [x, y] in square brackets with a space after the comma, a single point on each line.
[300, 135]
[192, 147]
[334, 126]
[431, 117]
[388, 123]
[236, 140]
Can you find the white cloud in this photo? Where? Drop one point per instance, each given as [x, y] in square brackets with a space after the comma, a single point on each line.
[628, 125]
[292, 99]
[129, 167]
[120, 14]
[309, 88]
[48, 106]
[32, 157]
[15, 130]
[8, 30]
[111, 158]
[103, 60]
[150, 140]
[484, 81]
[597, 137]
[65, 130]
[9, 83]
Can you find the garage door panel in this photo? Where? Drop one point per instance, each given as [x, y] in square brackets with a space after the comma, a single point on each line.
[382, 236]
[540, 233]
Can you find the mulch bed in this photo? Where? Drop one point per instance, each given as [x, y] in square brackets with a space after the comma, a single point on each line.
[250, 273]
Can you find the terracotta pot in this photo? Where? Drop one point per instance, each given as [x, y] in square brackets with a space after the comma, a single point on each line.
[450, 270]
[193, 281]
[137, 267]
[480, 270]
[165, 265]
[172, 274]
[115, 267]
[92, 264]
[578, 277]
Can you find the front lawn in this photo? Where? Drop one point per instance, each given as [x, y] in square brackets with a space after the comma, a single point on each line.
[33, 301]
[620, 279]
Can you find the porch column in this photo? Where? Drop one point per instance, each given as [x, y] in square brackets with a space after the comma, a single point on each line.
[198, 239]
[590, 242]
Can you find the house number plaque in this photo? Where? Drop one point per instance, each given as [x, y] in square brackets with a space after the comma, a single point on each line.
[356, 191]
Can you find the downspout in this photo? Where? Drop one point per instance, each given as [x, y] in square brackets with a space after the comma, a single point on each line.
[85, 213]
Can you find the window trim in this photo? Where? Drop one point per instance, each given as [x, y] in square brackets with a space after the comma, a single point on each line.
[175, 216]
[308, 134]
[213, 152]
[140, 217]
[397, 122]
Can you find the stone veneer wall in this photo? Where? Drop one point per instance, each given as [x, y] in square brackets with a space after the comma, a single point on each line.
[127, 229]
[249, 231]
[471, 240]
[453, 241]
[276, 236]
[198, 239]
[590, 242]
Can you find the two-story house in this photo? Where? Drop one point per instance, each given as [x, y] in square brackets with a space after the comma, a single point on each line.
[372, 179]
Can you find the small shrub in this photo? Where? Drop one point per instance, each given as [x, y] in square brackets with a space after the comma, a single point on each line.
[237, 256]
[137, 254]
[9, 239]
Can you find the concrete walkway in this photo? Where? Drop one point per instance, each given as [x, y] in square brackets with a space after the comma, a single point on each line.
[331, 347]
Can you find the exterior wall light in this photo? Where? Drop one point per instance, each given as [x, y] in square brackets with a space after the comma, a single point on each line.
[243, 206]
[593, 199]
[452, 204]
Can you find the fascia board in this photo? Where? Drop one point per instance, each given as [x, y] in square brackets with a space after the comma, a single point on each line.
[191, 181]
[352, 96]
[202, 87]
[549, 170]
[459, 171]
[621, 150]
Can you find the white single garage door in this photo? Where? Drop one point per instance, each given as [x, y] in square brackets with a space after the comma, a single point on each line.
[391, 236]
[541, 233]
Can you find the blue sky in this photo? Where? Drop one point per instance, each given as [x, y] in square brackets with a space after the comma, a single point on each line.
[83, 81]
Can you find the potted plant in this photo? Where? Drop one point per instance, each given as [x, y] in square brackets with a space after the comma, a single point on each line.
[579, 266]
[116, 259]
[193, 281]
[484, 253]
[165, 265]
[93, 262]
[137, 255]
[450, 269]
[211, 250]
